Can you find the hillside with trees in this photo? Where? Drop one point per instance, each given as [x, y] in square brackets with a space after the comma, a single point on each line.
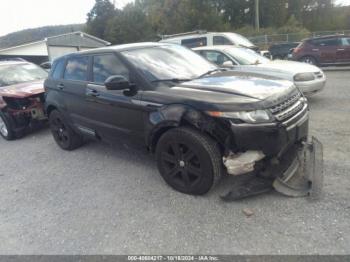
[37, 34]
[145, 20]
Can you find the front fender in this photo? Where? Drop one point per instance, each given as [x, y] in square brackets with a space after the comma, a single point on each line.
[168, 117]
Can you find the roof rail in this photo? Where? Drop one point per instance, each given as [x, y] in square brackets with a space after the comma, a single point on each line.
[325, 36]
[196, 32]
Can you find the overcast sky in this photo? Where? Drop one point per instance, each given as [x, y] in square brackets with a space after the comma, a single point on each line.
[16, 15]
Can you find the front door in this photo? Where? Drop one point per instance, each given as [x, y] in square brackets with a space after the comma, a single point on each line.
[112, 112]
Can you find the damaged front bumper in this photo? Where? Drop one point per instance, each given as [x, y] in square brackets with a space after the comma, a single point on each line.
[278, 156]
[304, 176]
[298, 173]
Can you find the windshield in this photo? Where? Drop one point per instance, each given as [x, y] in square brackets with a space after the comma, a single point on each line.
[246, 56]
[12, 74]
[239, 40]
[168, 62]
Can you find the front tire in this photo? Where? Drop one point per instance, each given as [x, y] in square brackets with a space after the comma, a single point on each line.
[188, 160]
[6, 127]
[63, 134]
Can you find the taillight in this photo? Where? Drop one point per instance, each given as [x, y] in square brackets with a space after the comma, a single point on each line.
[298, 48]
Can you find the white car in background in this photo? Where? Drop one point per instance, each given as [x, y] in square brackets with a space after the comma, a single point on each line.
[308, 78]
[204, 38]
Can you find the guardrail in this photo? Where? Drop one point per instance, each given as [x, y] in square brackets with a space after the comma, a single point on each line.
[267, 40]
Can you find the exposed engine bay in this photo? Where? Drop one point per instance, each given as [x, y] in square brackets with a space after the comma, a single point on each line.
[24, 112]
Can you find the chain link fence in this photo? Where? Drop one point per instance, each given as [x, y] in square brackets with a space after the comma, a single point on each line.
[264, 41]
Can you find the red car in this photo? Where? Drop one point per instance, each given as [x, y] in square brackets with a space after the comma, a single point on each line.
[21, 97]
[327, 50]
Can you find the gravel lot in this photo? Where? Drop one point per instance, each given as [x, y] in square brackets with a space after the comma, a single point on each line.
[103, 199]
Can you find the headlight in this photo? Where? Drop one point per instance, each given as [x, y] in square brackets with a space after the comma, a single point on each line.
[304, 77]
[253, 117]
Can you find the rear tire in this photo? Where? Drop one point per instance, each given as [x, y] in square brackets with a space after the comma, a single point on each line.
[63, 134]
[188, 160]
[6, 127]
[309, 60]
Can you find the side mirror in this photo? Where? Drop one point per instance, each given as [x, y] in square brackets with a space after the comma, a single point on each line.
[117, 82]
[228, 64]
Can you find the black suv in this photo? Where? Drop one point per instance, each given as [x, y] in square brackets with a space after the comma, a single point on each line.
[197, 118]
[281, 50]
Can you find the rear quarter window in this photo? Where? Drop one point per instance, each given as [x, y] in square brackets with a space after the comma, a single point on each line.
[194, 42]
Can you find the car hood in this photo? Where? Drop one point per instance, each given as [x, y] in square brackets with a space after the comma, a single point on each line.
[23, 90]
[226, 91]
[245, 85]
[289, 67]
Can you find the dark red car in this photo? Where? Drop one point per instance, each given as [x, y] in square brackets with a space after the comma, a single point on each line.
[21, 97]
[327, 50]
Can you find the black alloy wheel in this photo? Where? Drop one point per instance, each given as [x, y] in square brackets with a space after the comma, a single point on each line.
[63, 134]
[188, 160]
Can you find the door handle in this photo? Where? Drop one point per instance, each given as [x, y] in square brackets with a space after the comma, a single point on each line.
[316, 50]
[341, 49]
[60, 86]
[92, 92]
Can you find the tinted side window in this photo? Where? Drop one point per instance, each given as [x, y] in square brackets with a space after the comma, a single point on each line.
[326, 42]
[106, 66]
[221, 40]
[345, 41]
[194, 42]
[76, 68]
[58, 68]
[215, 57]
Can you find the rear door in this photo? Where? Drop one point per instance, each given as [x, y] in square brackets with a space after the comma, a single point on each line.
[325, 49]
[343, 52]
[73, 87]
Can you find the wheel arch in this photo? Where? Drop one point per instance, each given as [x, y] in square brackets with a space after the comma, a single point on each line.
[181, 115]
[49, 109]
[312, 56]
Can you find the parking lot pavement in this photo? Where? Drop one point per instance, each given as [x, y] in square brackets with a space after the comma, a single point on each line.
[103, 199]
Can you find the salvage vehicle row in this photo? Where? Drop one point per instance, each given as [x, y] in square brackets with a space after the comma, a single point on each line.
[201, 121]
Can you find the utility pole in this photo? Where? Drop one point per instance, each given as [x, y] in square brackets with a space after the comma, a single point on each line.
[257, 16]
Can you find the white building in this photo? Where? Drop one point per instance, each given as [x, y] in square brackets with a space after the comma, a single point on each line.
[52, 47]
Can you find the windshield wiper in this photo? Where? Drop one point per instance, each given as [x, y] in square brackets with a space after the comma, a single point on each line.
[213, 71]
[176, 80]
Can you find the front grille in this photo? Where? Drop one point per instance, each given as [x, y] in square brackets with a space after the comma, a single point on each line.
[285, 104]
[288, 108]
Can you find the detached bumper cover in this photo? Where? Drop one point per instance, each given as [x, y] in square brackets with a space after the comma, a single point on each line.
[299, 174]
[304, 177]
